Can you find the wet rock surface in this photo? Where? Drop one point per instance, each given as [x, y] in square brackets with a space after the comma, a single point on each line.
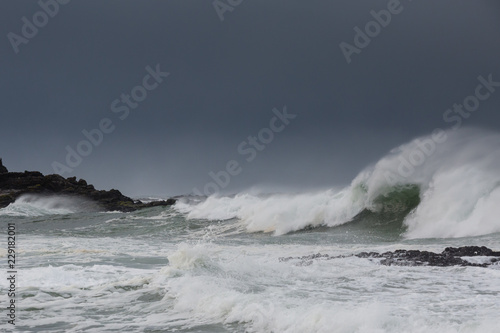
[3, 169]
[451, 256]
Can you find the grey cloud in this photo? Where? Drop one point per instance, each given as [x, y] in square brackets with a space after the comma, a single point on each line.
[226, 77]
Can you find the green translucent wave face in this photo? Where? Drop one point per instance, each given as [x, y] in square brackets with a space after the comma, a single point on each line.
[386, 215]
[399, 200]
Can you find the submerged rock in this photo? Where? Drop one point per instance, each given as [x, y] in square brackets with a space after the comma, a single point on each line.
[451, 256]
[15, 184]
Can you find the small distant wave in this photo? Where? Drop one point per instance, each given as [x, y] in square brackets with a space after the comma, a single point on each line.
[455, 193]
[150, 199]
[39, 205]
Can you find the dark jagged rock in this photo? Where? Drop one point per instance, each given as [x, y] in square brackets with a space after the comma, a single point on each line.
[451, 256]
[471, 251]
[15, 184]
[3, 169]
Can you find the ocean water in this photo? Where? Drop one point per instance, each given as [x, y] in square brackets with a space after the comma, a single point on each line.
[213, 264]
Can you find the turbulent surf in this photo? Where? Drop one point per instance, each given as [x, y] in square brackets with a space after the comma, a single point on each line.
[451, 190]
[384, 253]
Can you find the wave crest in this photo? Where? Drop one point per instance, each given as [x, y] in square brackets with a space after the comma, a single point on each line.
[454, 192]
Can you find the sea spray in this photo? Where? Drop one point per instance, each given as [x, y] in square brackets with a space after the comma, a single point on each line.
[458, 186]
[39, 205]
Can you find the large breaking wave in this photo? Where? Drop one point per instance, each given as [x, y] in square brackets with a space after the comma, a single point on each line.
[446, 187]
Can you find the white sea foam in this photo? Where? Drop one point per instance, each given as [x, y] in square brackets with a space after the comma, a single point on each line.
[39, 205]
[30, 205]
[212, 284]
[459, 184]
[282, 213]
[228, 286]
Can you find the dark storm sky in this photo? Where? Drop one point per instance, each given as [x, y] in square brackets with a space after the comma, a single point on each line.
[225, 79]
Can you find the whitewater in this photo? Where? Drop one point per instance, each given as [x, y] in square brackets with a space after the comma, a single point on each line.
[211, 264]
[458, 188]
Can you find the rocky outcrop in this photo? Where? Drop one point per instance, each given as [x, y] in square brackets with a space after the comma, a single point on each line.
[451, 256]
[15, 184]
[2, 168]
